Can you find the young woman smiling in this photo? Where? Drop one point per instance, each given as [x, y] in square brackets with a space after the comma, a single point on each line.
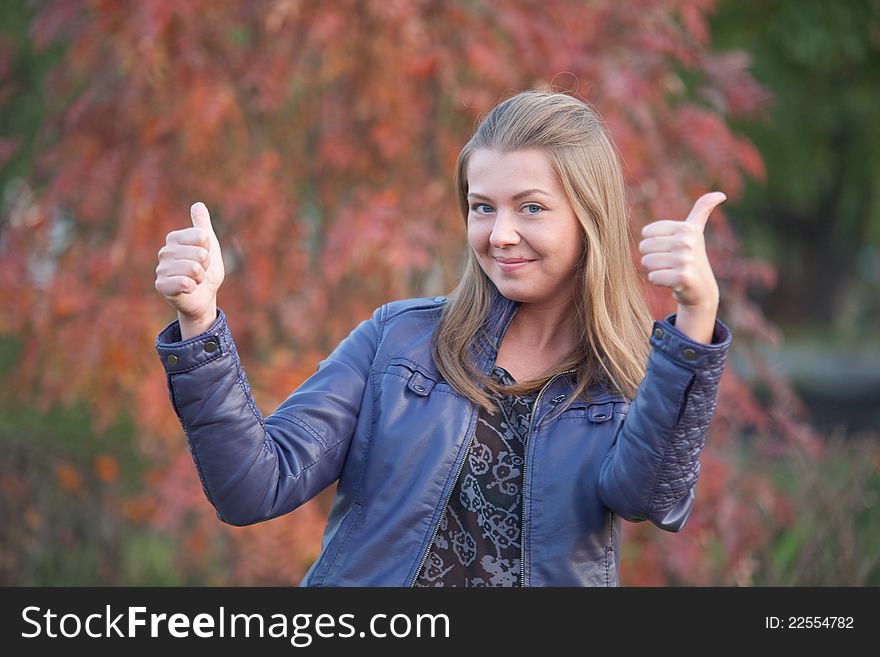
[496, 436]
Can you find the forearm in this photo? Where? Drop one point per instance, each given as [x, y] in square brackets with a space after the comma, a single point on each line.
[254, 468]
[652, 467]
[235, 453]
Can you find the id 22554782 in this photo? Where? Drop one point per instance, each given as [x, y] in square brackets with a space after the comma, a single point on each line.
[808, 622]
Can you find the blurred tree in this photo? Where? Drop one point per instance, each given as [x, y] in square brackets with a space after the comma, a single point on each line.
[817, 216]
[21, 71]
[323, 136]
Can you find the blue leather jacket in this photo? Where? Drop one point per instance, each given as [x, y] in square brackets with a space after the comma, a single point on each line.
[378, 417]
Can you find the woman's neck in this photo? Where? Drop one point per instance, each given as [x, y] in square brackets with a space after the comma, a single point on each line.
[543, 327]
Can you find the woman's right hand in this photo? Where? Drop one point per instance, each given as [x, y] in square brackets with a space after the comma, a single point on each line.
[190, 269]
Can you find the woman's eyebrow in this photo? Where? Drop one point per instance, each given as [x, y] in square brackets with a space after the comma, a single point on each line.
[515, 196]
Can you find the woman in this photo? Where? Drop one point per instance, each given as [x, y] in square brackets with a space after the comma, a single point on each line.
[497, 436]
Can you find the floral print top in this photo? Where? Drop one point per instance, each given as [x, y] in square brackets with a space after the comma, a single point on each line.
[478, 542]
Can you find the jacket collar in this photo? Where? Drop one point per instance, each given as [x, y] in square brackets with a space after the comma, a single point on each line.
[501, 312]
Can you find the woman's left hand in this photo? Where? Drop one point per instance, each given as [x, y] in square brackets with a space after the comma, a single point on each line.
[674, 255]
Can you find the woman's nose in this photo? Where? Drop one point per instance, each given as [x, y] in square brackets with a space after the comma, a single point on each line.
[504, 230]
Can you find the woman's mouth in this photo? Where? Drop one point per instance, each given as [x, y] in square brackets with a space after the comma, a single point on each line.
[511, 264]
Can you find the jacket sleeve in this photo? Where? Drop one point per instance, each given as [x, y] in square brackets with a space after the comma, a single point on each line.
[254, 468]
[652, 467]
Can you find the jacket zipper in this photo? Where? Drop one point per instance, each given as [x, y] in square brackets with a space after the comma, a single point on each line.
[443, 508]
[460, 467]
[522, 553]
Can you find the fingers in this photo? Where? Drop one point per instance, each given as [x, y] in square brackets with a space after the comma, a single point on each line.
[176, 251]
[201, 232]
[695, 221]
[667, 269]
[655, 261]
[674, 255]
[703, 207]
[191, 236]
[190, 263]
[171, 286]
[662, 228]
[668, 278]
[172, 267]
[662, 244]
[685, 244]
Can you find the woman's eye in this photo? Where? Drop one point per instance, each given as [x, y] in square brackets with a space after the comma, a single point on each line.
[482, 208]
[532, 208]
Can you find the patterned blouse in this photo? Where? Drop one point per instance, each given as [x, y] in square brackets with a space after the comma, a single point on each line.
[478, 542]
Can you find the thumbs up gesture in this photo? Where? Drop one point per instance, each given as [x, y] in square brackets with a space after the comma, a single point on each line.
[190, 269]
[674, 255]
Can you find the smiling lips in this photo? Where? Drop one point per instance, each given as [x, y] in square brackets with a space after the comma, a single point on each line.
[511, 264]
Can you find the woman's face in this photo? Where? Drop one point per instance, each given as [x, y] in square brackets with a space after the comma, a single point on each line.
[521, 226]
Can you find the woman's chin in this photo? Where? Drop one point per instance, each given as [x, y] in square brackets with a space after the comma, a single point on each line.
[514, 292]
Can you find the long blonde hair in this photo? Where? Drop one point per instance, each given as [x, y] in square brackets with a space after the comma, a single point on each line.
[611, 312]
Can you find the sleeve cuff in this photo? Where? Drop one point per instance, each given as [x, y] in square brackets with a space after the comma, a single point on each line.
[182, 355]
[686, 351]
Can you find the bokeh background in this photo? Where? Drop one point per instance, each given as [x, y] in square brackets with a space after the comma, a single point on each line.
[322, 136]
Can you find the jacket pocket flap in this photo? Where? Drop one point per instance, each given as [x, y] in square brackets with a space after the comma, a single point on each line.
[420, 384]
[601, 412]
[420, 380]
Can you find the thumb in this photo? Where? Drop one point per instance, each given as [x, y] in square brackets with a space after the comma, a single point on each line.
[699, 214]
[200, 217]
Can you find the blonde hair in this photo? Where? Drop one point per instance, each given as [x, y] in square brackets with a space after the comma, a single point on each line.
[612, 315]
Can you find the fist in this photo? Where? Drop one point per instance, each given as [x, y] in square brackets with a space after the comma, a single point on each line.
[674, 255]
[190, 269]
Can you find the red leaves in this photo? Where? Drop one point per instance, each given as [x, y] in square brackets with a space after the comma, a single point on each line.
[106, 468]
[68, 478]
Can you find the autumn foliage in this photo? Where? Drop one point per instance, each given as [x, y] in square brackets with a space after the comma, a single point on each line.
[322, 135]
